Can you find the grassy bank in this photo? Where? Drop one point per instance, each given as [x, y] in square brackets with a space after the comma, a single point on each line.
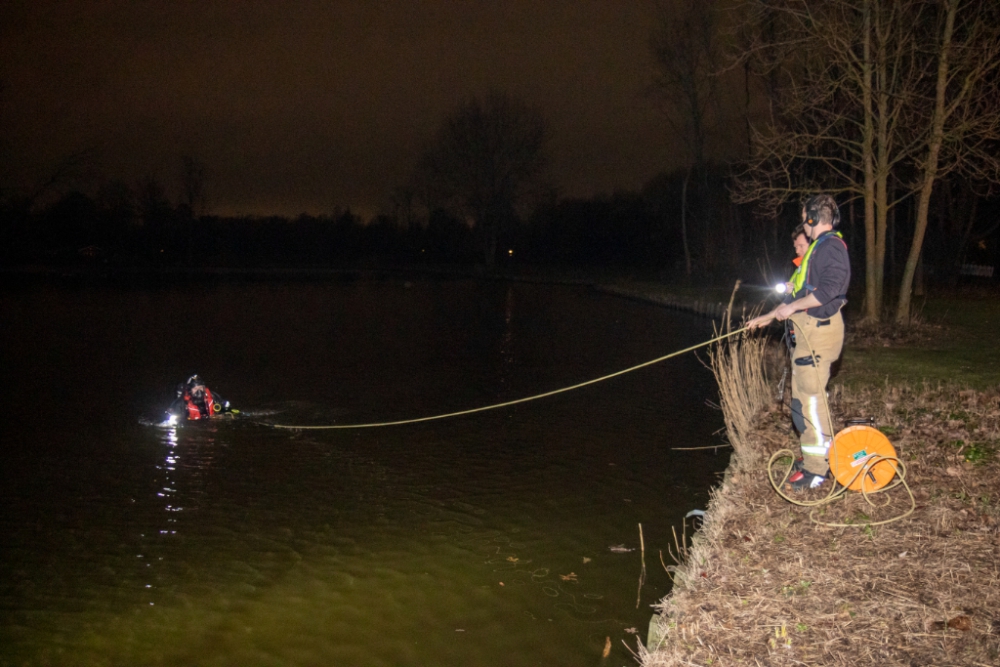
[954, 341]
[767, 581]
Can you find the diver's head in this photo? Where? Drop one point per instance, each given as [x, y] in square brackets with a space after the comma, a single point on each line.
[195, 386]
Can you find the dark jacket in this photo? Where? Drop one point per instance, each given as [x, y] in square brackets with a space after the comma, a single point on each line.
[828, 275]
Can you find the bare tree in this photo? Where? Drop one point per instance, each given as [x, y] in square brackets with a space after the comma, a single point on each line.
[962, 121]
[485, 163]
[193, 199]
[193, 184]
[64, 176]
[840, 72]
[853, 113]
[685, 52]
[403, 200]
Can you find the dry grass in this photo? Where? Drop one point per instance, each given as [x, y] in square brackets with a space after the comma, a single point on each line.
[864, 334]
[762, 584]
[738, 365]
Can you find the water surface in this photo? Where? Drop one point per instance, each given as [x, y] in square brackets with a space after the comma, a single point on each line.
[477, 540]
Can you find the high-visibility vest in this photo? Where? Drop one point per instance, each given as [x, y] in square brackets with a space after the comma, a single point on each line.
[798, 278]
[795, 274]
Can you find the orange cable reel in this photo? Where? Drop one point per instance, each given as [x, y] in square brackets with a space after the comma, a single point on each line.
[866, 448]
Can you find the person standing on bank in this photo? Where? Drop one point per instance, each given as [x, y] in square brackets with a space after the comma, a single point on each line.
[801, 244]
[820, 291]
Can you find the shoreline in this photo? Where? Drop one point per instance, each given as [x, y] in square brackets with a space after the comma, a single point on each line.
[765, 582]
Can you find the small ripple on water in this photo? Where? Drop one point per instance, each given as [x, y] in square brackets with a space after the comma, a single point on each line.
[334, 547]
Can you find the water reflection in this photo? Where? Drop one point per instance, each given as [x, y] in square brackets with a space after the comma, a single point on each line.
[230, 543]
[169, 468]
[184, 454]
[506, 351]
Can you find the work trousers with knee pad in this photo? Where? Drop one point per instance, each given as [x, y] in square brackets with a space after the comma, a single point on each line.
[818, 343]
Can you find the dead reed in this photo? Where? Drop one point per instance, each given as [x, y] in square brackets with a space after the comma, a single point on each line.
[738, 363]
[762, 584]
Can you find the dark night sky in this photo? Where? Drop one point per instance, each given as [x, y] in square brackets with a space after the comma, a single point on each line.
[306, 105]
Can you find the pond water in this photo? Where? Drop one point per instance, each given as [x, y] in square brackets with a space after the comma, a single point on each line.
[476, 540]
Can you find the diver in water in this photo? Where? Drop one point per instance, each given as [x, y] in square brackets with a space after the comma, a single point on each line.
[196, 401]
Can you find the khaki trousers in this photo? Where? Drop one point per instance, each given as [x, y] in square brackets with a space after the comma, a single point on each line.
[818, 343]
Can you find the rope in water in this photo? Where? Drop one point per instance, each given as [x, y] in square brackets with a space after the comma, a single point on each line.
[519, 400]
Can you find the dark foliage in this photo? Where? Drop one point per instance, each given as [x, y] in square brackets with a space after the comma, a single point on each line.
[630, 233]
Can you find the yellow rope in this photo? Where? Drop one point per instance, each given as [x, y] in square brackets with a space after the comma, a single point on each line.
[519, 400]
[835, 493]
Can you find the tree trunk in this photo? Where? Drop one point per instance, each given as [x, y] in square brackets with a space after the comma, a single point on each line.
[963, 247]
[918, 278]
[882, 151]
[746, 107]
[890, 242]
[684, 233]
[489, 226]
[930, 169]
[873, 297]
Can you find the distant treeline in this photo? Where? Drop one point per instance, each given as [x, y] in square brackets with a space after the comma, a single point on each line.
[621, 231]
[639, 232]
[76, 229]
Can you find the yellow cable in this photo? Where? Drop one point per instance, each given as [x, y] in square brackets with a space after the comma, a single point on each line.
[834, 493]
[519, 400]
